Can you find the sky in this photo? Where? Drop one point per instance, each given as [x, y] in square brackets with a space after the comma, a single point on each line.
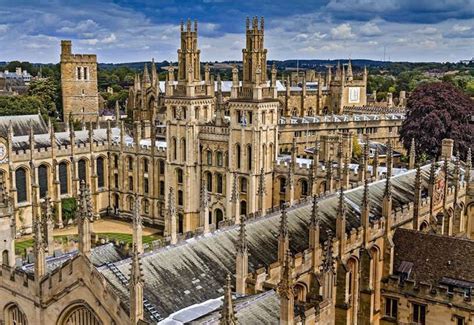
[131, 31]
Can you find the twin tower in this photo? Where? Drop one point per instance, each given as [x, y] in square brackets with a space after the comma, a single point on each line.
[227, 159]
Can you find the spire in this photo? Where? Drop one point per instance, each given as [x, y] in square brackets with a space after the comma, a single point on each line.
[314, 221]
[341, 210]
[137, 225]
[234, 197]
[48, 224]
[286, 292]
[39, 248]
[283, 230]
[365, 195]
[350, 76]
[85, 215]
[328, 262]
[412, 154]
[136, 284]
[154, 75]
[242, 243]
[228, 312]
[146, 75]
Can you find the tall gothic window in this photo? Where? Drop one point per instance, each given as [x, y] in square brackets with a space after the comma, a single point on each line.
[220, 161]
[209, 157]
[174, 149]
[145, 165]
[243, 208]
[100, 172]
[237, 155]
[20, 178]
[162, 188]
[243, 185]
[180, 198]
[14, 316]
[209, 181]
[183, 149]
[179, 175]
[43, 180]
[162, 167]
[304, 188]
[145, 185]
[282, 185]
[249, 157]
[130, 163]
[220, 186]
[63, 179]
[81, 166]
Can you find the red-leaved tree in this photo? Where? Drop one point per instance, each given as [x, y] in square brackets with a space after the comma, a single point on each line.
[436, 111]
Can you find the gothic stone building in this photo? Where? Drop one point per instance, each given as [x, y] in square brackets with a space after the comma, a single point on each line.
[216, 163]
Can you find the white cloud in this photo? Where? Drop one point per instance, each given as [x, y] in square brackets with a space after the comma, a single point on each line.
[428, 30]
[342, 31]
[458, 28]
[370, 29]
[3, 28]
[81, 27]
[109, 39]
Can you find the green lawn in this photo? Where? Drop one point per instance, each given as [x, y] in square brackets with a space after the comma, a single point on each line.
[21, 245]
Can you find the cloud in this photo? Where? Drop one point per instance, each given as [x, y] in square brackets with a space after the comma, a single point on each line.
[370, 29]
[342, 32]
[125, 31]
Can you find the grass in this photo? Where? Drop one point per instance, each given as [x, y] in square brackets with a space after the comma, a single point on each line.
[21, 245]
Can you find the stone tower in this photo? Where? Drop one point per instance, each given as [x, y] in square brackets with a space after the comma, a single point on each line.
[7, 228]
[189, 106]
[253, 138]
[79, 84]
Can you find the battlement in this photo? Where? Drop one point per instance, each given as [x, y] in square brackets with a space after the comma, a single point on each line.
[425, 290]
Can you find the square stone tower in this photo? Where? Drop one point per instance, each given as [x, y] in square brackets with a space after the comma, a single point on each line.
[79, 84]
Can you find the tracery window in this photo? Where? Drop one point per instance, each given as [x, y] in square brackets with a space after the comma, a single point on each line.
[20, 182]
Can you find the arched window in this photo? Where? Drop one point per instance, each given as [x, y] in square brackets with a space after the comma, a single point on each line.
[81, 166]
[130, 163]
[209, 181]
[304, 188]
[63, 178]
[180, 223]
[209, 157]
[162, 188]
[162, 167]
[20, 183]
[179, 175]
[220, 161]
[282, 185]
[100, 172]
[146, 206]
[243, 208]
[14, 316]
[116, 201]
[145, 165]
[174, 150]
[130, 183]
[249, 157]
[237, 155]
[243, 185]
[220, 186]
[180, 198]
[219, 217]
[146, 186]
[43, 180]
[183, 149]
[78, 315]
[5, 259]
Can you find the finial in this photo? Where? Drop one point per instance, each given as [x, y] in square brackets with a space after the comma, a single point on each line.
[365, 196]
[328, 264]
[195, 25]
[228, 312]
[283, 222]
[315, 212]
[188, 25]
[242, 245]
[182, 25]
[247, 23]
[262, 24]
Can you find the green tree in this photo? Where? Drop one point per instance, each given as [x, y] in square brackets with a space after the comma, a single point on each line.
[69, 208]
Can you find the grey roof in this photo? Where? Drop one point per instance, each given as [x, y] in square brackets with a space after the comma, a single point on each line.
[21, 124]
[341, 118]
[194, 271]
[263, 308]
[100, 255]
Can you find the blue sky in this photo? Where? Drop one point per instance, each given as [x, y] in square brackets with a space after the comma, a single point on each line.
[126, 31]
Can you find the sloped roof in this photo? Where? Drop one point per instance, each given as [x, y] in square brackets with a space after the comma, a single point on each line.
[194, 271]
[434, 257]
[21, 124]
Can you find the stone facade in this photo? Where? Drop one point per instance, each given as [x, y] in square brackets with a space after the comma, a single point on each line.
[79, 84]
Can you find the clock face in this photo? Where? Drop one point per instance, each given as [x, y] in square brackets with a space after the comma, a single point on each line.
[3, 151]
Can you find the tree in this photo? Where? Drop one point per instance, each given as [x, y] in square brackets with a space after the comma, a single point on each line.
[436, 111]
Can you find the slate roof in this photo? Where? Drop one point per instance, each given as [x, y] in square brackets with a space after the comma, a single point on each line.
[194, 271]
[100, 255]
[21, 125]
[434, 257]
[263, 308]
